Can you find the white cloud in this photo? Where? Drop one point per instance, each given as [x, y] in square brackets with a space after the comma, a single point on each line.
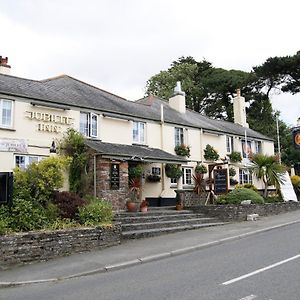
[118, 45]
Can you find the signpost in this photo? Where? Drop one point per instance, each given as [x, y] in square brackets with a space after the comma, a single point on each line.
[6, 187]
[220, 181]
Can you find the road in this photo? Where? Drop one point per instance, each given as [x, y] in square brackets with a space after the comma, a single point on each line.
[264, 266]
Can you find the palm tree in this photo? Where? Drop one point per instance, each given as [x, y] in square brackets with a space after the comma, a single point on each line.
[268, 169]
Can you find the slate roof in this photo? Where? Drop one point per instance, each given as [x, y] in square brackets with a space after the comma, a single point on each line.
[65, 90]
[134, 152]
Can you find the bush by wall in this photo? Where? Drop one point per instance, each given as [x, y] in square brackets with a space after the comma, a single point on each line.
[96, 212]
[236, 196]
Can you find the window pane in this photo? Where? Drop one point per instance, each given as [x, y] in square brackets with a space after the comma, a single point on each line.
[135, 132]
[178, 136]
[94, 129]
[188, 176]
[33, 159]
[142, 133]
[20, 161]
[84, 124]
[138, 132]
[6, 113]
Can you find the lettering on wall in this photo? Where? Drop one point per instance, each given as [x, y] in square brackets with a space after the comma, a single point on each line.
[49, 122]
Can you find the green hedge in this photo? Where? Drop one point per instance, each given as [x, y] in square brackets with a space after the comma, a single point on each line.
[236, 196]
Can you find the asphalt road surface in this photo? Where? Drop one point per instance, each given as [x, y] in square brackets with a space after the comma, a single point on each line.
[264, 266]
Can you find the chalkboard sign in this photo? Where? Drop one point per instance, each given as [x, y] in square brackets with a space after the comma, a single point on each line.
[220, 181]
[114, 177]
[6, 187]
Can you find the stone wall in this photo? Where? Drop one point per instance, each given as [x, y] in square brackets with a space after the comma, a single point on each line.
[190, 199]
[43, 245]
[240, 212]
[117, 197]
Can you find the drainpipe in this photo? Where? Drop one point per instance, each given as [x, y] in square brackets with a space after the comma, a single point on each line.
[201, 144]
[95, 176]
[163, 182]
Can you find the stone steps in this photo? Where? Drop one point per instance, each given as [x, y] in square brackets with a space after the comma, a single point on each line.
[158, 221]
[136, 234]
[165, 224]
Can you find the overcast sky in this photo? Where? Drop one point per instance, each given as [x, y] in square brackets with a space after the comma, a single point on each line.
[118, 45]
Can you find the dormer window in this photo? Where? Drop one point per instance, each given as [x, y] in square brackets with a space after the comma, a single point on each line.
[89, 124]
[138, 132]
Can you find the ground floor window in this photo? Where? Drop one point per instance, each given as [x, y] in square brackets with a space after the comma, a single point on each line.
[187, 176]
[23, 161]
[245, 176]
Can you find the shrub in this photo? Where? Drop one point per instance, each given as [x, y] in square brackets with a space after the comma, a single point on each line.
[201, 169]
[296, 184]
[210, 153]
[4, 219]
[273, 199]
[38, 182]
[236, 196]
[97, 211]
[247, 186]
[26, 215]
[68, 204]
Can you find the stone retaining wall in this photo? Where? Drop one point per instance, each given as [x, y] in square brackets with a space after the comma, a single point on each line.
[240, 212]
[189, 198]
[43, 245]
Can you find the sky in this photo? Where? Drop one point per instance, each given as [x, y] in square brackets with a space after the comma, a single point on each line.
[117, 45]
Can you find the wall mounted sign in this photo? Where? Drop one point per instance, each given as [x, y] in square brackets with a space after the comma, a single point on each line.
[296, 138]
[49, 122]
[13, 145]
[220, 181]
[114, 176]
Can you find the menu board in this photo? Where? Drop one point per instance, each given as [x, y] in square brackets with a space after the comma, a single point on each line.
[114, 177]
[220, 181]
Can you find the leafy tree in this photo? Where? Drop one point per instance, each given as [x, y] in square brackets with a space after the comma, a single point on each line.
[268, 169]
[72, 145]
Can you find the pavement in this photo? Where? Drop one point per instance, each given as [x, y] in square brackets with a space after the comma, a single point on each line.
[134, 252]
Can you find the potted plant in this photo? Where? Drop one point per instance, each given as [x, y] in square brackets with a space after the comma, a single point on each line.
[144, 206]
[131, 206]
[179, 203]
[134, 188]
[182, 150]
[153, 178]
[232, 172]
[200, 169]
[173, 171]
[210, 153]
[235, 156]
[199, 183]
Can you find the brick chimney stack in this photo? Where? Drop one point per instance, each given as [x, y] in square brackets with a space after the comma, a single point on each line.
[4, 67]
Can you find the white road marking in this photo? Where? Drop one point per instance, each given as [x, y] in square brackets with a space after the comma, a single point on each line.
[250, 297]
[260, 270]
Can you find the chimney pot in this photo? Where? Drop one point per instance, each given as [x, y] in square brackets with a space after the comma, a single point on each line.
[4, 67]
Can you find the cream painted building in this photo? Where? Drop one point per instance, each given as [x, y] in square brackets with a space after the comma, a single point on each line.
[34, 115]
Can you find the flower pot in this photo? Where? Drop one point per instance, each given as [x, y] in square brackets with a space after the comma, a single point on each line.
[131, 206]
[179, 206]
[144, 209]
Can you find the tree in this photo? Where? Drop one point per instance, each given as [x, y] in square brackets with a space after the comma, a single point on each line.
[267, 169]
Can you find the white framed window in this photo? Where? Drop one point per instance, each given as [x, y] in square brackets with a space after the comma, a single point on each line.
[187, 176]
[247, 150]
[23, 161]
[179, 136]
[258, 148]
[245, 176]
[6, 113]
[155, 170]
[88, 124]
[138, 132]
[173, 181]
[229, 144]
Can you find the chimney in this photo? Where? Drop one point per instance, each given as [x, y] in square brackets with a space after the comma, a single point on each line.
[4, 67]
[177, 101]
[239, 109]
